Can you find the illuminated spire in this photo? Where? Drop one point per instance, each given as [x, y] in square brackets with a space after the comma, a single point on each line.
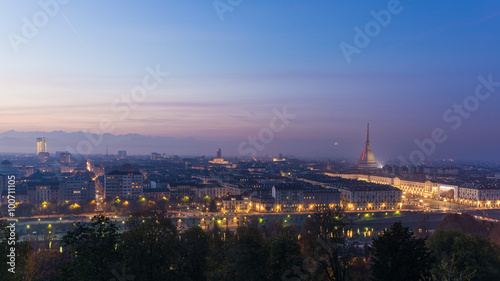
[368, 134]
[367, 160]
[219, 152]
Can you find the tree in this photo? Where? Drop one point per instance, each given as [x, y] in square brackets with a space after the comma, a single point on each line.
[49, 237]
[421, 230]
[359, 269]
[284, 256]
[495, 233]
[194, 245]
[213, 206]
[398, 256]
[91, 250]
[46, 264]
[25, 210]
[466, 253]
[447, 270]
[217, 258]
[185, 199]
[150, 247]
[466, 223]
[323, 240]
[246, 256]
[22, 250]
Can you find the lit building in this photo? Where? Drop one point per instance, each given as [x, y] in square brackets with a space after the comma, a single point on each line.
[44, 191]
[76, 189]
[21, 192]
[280, 158]
[123, 184]
[156, 156]
[219, 153]
[41, 145]
[235, 203]
[418, 187]
[262, 204]
[477, 193]
[122, 154]
[3, 183]
[297, 198]
[367, 160]
[157, 193]
[43, 156]
[358, 195]
[4, 180]
[212, 190]
[480, 193]
[65, 157]
[320, 198]
[6, 170]
[415, 187]
[180, 190]
[219, 160]
[288, 197]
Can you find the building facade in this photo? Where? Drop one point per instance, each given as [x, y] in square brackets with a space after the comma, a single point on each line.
[77, 189]
[235, 203]
[41, 145]
[123, 184]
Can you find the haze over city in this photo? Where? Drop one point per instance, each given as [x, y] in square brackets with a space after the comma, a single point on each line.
[242, 140]
[228, 71]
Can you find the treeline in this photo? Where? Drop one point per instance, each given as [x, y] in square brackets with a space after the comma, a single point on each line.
[152, 249]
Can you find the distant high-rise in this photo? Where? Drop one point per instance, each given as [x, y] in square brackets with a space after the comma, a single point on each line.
[65, 157]
[156, 156]
[41, 145]
[219, 153]
[122, 154]
[367, 160]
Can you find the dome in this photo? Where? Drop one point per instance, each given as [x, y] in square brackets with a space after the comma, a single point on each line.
[367, 160]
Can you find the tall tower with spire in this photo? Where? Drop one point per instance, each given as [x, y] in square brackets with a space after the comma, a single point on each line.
[219, 153]
[367, 160]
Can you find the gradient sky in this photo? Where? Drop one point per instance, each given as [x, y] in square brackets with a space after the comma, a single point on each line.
[227, 76]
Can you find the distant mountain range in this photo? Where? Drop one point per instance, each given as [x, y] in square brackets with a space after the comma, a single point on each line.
[13, 141]
[25, 142]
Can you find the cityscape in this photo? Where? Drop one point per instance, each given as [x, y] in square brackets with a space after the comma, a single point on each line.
[244, 141]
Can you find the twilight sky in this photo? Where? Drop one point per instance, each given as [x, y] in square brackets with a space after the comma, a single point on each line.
[231, 70]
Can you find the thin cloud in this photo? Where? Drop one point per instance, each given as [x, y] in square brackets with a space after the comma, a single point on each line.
[417, 36]
[488, 17]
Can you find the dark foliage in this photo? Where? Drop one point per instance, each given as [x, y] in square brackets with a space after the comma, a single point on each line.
[464, 253]
[398, 256]
[91, 250]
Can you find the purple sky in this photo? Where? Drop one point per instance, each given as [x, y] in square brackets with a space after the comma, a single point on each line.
[229, 72]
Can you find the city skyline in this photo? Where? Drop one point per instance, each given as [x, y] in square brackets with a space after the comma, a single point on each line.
[228, 73]
[249, 140]
[135, 145]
